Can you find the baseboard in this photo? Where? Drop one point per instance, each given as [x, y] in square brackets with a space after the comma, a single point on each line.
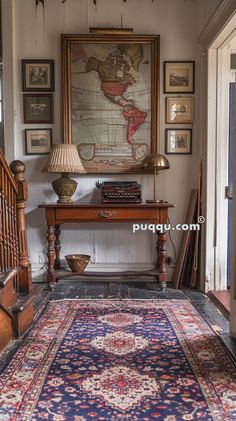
[39, 270]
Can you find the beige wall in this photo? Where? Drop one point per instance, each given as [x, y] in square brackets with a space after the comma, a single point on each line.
[36, 34]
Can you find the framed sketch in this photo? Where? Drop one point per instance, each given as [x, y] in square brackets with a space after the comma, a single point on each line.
[111, 99]
[38, 108]
[179, 110]
[38, 141]
[38, 75]
[178, 141]
[179, 77]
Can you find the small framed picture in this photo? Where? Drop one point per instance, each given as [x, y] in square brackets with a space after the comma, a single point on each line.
[179, 77]
[38, 75]
[38, 141]
[38, 108]
[179, 110]
[178, 141]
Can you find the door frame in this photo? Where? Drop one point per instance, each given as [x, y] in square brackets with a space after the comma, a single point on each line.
[232, 105]
[212, 152]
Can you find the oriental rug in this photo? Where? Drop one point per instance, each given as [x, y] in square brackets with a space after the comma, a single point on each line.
[125, 360]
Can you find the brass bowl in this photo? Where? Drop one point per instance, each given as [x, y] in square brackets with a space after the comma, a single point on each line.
[77, 262]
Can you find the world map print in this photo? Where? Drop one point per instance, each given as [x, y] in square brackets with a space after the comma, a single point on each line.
[111, 104]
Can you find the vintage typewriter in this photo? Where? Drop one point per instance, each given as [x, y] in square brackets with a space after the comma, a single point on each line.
[120, 191]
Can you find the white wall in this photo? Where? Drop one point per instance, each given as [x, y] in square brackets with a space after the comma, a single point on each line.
[36, 34]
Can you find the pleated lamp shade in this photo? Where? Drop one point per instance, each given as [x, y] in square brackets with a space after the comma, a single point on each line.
[64, 158]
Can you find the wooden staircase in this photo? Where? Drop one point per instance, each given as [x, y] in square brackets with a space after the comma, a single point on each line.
[16, 306]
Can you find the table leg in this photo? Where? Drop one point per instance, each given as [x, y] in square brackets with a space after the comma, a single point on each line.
[51, 255]
[57, 247]
[161, 258]
[106, 290]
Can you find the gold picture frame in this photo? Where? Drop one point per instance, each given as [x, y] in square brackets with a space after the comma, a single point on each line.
[111, 99]
[179, 110]
[179, 77]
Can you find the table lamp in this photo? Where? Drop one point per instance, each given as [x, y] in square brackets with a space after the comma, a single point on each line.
[64, 158]
[156, 162]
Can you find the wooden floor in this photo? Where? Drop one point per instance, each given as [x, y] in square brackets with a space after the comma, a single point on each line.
[90, 290]
[222, 301]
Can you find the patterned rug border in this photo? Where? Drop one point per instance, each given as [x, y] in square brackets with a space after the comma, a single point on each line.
[148, 300]
[229, 352]
[9, 352]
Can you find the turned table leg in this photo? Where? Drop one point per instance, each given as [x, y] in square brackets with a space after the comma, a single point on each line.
[161, 258]
[51, 255]
[57, 247]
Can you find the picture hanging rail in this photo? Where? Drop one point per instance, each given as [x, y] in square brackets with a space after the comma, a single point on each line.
[37, 2]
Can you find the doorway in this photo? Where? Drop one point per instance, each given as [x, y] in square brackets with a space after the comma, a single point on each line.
[223, 229]
[218, 153]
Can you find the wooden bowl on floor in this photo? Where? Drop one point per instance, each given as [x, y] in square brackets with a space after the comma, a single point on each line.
[77, 262]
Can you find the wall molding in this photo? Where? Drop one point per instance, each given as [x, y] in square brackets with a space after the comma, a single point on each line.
[224, 13]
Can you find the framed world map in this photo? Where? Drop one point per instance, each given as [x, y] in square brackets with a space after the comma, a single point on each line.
[111, 99]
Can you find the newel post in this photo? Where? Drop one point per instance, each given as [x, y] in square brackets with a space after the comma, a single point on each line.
[25, 274]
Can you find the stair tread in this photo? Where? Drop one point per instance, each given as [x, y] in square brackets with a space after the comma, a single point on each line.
[22, 301]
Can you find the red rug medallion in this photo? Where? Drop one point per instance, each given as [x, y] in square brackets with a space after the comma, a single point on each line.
[119, 361]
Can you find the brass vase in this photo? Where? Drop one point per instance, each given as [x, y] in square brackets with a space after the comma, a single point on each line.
[64, 187]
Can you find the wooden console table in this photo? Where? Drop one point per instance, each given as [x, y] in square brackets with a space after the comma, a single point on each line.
[58, 214]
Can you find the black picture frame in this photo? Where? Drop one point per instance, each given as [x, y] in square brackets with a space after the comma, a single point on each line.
[179, 146]
[35, 143]
[37, 75]
[38, 108]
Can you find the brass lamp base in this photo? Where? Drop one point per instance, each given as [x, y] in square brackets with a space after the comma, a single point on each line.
[154, 201]
[64, 187]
